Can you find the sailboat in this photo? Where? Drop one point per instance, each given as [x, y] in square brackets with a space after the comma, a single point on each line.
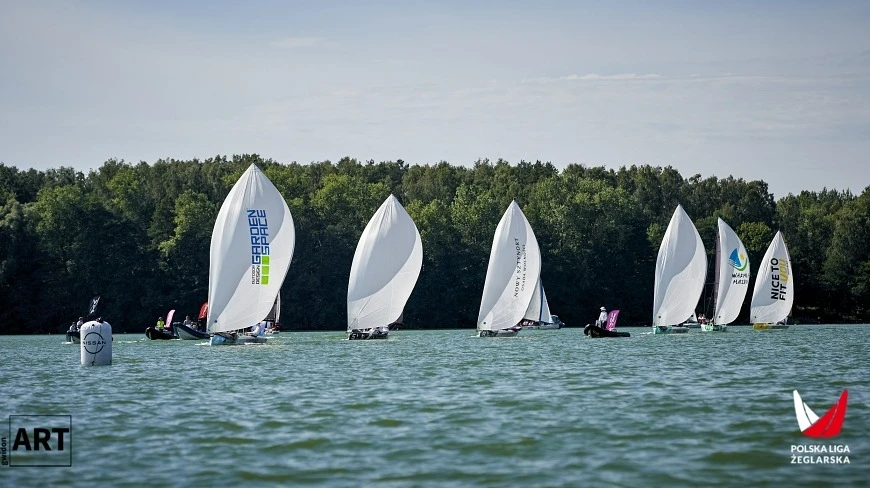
[194, 332]
[164, 334]
[773, 295]
[273, 319]
[538, 316]
[681, 268]
[512, 276]
[732, 279]
[251, 248]
[385, 268]
[692, 322]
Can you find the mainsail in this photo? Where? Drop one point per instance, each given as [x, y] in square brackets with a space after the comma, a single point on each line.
[274, 315]
[513, 272]
[385, 268]
[773, 294]
[732, 275]
[251, 248]
[538, 309]
[681, 268]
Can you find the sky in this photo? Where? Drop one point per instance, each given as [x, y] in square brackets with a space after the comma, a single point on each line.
[771, 90]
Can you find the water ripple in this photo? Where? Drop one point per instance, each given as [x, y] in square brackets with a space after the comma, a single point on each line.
[444, 408]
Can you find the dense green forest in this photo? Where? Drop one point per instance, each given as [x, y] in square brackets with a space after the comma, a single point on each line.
[139, 234]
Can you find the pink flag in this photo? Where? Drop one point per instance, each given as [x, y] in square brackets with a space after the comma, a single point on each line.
[611, 319]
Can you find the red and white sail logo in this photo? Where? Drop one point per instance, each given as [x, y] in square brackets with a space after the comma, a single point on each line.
[828, 425]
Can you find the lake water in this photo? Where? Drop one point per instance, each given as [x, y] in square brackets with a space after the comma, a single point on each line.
[444, 408]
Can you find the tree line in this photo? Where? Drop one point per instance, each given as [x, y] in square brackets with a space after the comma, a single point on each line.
[139, 235]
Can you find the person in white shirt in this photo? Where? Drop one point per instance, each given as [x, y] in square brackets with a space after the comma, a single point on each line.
[602, 318]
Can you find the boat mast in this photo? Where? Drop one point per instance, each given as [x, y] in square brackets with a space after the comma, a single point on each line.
[716, 274]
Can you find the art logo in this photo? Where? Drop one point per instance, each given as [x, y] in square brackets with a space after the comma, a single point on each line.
[38, 440]
[828, 425]
[738, 261]
[258, 226]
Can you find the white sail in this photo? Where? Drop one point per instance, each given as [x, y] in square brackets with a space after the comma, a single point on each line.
[681, 268]
[251, 249]
[732, 275]
[513, 272]
[533, 311]
[545, 316]
[773, 294]
[385, 268]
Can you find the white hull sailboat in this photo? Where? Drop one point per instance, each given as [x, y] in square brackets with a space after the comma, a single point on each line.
[274, 318]
[773, 294]
[386, 265]
[512, 277]
[732, 279]
[681, 268]
[538, 316]
[251, 249]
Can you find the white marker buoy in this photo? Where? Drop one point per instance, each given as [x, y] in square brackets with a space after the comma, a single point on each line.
[96, 343]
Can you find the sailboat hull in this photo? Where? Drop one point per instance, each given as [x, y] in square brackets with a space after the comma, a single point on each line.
[223, 339]
[73, 336]
[189, 333]
[770, 326]
[544, 326]
[595, 332]
[368, 334]
[713, 328]
[158, 335]
[498, 333]
[669, 329]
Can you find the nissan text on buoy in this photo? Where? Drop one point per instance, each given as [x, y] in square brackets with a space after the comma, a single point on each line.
[96, 343]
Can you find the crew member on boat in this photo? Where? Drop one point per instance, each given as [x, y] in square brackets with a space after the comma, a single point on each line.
[602, 318]
[160, 323]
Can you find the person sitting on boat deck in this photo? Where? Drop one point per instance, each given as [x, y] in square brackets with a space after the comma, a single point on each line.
[602, 318]
[72, 327]
[160, 323]
[80, 323]
[187, 322]
[258, 329]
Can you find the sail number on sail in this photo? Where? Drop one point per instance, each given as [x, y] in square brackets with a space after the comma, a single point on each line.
[520, 283]
[778, 278]
[259, 228]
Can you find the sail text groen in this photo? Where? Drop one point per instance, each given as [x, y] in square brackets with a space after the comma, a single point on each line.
[259, 230]
[778, 279]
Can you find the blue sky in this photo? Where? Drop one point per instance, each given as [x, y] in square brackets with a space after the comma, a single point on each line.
[775, 90]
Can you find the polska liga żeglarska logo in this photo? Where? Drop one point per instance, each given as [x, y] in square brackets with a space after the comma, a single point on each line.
[828, 425]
